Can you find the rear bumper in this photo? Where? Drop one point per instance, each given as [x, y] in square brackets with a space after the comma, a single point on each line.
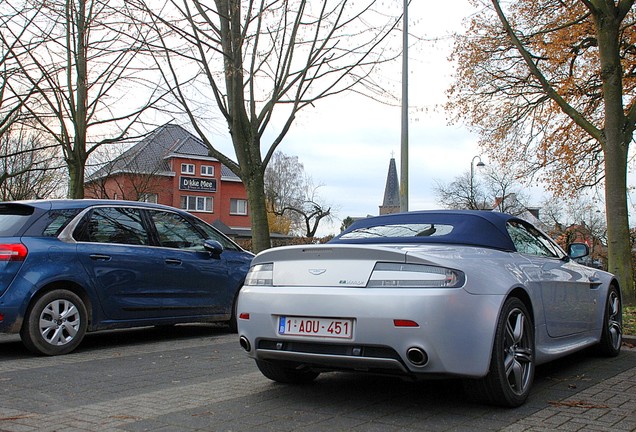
[455, 329]
[11, 322]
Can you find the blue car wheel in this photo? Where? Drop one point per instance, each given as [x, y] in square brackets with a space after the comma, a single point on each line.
[55, 323]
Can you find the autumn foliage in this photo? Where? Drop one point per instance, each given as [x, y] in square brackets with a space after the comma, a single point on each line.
[549, 87]
[497, 96]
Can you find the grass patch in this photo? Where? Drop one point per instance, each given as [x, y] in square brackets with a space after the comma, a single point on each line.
[629, 320]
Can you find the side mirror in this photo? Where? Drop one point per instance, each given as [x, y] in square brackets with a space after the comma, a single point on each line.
[214, 247]
[578, 250]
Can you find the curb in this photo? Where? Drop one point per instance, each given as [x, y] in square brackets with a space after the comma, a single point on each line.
[630, 340]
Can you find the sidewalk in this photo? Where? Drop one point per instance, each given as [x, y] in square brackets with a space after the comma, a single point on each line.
[608, 406]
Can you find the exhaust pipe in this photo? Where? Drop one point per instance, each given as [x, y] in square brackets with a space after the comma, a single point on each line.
[245, 344]
[417, 356]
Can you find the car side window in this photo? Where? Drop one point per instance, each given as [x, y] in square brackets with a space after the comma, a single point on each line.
[213, 234]
[174, 231]
[115, 225]
[530, 241]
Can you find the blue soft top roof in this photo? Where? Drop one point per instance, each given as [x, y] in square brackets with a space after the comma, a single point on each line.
[470, 227]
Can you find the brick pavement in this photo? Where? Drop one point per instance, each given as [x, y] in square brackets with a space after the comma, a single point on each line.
[196, 378]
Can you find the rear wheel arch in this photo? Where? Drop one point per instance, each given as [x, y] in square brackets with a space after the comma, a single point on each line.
[56, 320]
[522, 295]
[71, 286]
[512, 359]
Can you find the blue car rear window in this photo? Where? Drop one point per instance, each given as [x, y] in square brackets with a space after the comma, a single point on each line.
[13, 218]
[55, 221]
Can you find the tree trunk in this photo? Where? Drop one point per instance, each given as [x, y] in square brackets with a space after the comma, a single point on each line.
[76, 178]
[615, 144]
[258, 213]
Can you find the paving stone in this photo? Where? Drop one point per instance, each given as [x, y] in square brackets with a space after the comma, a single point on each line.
[198, 379]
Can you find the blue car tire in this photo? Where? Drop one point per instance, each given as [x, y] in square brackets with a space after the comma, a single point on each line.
[55, 323]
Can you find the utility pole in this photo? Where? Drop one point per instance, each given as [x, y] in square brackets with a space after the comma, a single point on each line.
[404, 142]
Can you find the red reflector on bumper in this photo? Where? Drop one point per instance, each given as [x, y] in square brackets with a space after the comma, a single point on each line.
[405, 323]
[244, 316]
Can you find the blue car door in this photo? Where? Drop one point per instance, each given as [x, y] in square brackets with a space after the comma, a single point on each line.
[196, 282]
[114, 248]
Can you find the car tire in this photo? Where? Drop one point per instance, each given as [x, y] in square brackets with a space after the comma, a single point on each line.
[612, 331]
[512, 361]
[232, 323]
[286, 374]
[55, 323]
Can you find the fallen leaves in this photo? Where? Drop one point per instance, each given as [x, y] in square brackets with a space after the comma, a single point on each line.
[577, 404]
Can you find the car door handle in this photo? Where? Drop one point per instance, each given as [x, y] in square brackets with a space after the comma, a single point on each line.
[99, 257]
[173, 261]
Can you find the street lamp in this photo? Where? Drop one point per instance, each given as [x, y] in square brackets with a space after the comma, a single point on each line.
[480, 164]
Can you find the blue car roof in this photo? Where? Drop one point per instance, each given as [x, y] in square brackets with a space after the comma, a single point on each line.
[79, 203]
[470, 227]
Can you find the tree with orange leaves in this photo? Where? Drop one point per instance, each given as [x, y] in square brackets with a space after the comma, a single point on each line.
[552, 83]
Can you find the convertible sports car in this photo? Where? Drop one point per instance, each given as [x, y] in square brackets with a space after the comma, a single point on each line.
[479, 295]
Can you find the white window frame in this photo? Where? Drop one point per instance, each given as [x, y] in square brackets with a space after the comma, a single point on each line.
[197, 203]
[187, 168]
[238, 206]
[207, 170]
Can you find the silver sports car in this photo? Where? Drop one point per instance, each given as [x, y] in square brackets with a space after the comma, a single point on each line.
[484, 296]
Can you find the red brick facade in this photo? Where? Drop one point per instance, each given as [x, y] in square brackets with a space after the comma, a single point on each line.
[158, 169]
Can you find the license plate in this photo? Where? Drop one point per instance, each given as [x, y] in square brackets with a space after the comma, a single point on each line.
[323, 327]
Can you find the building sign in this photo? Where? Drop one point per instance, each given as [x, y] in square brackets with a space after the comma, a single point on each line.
[197, 184]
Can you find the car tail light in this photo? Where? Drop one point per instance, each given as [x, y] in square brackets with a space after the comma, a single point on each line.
[260, 275]
[13, 252]
[399, 275]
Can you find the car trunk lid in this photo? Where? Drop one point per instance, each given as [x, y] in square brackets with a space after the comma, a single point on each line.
[337, 266]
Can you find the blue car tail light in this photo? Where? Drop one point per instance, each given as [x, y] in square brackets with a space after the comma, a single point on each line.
[13, 252]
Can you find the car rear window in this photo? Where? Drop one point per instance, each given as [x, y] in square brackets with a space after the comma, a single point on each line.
[399, 231]
[13, 218]
[56, 220]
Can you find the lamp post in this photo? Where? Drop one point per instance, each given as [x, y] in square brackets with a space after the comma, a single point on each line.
[472, 175]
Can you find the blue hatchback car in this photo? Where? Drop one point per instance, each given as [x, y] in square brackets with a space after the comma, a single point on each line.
[72, 266]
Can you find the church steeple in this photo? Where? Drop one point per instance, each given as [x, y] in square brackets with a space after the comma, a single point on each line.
[391, 203]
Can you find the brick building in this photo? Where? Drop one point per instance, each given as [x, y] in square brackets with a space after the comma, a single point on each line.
[171, 166]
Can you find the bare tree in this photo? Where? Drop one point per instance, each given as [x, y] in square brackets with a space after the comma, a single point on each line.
[29, 169]
[92, 85]
[15, 21]
[261, 63]
[291, 194]
[312, 210]
[494, 189]
[284, 187]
